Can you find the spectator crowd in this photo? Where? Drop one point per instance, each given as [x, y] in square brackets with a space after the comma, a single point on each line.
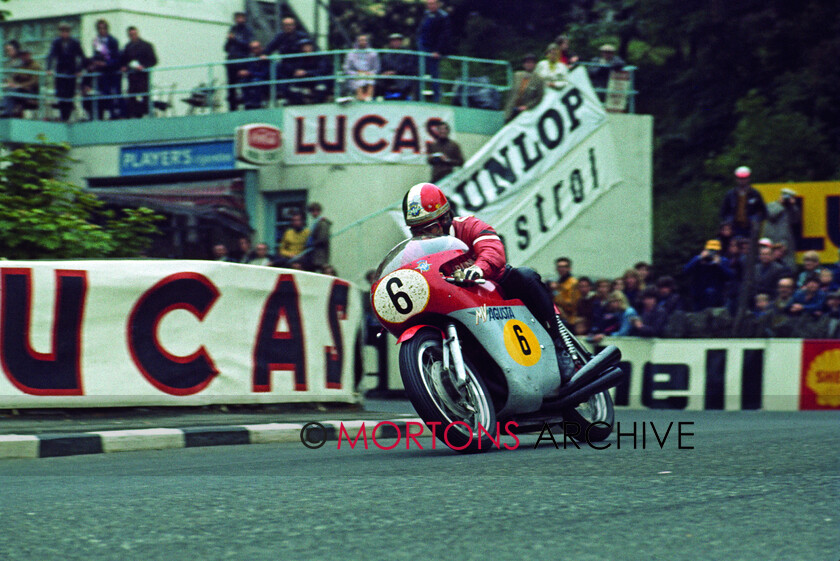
[742, 282]
[101, 74]
[301, 247]
[779, 299]
[302, 75]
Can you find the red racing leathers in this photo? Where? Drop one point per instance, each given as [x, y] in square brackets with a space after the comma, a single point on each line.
[484, 243]
[524, 283]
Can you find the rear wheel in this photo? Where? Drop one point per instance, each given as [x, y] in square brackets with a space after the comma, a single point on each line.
[434, 392]
[594, 417]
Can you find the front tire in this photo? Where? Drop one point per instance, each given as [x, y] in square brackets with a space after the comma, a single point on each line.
[434, 395]
[595, 418]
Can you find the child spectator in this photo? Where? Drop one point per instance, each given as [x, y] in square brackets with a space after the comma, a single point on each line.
[827, 283]
[810, 266]
[762, 305]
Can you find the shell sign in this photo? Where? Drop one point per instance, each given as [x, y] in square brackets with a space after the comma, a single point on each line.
[258, 143]
[820, 383]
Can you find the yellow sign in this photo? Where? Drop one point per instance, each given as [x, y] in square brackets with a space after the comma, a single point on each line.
[824, 378]
[820, 229]
[521, 343]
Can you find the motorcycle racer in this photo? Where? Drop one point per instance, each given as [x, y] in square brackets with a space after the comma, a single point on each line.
[427, 212]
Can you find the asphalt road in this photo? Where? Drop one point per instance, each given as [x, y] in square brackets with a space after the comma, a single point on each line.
[756, 485]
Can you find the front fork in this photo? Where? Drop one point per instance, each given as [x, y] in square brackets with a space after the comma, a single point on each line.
[452, 355]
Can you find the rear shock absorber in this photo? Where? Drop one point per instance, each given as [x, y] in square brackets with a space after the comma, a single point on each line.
[566, 337]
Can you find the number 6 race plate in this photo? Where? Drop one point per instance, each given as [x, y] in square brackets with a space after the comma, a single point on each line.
[401, 295]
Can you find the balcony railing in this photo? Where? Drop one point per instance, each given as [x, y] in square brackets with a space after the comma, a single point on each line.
[458, 80]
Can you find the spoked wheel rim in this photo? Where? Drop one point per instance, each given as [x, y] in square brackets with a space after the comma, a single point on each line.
[470, 405]
[594, 409]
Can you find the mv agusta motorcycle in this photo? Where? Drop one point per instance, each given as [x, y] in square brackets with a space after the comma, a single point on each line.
[469, 357]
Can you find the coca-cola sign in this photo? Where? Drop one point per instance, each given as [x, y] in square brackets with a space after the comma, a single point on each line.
[258, 143]
[264, 138]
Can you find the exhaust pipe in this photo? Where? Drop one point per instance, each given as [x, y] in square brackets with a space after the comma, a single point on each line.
[612, 377]
[591, 370]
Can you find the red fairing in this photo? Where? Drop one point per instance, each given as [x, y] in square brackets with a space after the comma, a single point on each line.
[444, 297]
[484, 243]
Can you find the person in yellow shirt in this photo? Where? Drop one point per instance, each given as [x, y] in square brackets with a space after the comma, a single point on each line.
[293, 243]
[566, 294]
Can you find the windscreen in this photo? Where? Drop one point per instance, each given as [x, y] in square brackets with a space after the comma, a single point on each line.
[414, 248]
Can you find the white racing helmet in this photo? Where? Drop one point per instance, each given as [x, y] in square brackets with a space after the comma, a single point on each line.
[423, 204]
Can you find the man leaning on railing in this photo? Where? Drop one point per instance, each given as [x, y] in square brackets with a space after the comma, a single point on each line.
[22, 87]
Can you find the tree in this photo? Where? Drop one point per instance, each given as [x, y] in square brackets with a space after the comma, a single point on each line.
[42, 216]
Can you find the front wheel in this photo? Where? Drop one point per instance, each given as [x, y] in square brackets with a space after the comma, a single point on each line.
[594, 417]
[465, 415]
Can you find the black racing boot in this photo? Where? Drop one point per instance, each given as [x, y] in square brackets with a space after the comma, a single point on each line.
[564, 362]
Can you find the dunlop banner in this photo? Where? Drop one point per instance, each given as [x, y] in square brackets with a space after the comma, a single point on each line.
[558, 197]
[526, 150]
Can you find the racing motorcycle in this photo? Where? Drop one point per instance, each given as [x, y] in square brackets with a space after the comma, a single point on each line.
[471, 358]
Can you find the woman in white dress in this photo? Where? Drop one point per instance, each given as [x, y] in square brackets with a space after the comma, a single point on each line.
[362, 61]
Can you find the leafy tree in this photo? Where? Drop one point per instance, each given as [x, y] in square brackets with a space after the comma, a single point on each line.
[44, 217]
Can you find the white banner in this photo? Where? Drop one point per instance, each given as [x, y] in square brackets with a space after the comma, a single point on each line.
[696, 374]
[360, 133]
[122, 333]
[558, 196]
[526, 149]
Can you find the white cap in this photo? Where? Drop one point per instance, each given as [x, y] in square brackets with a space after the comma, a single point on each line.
[743, 171]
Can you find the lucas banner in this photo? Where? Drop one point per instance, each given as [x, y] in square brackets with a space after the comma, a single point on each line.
[820, 227]
[360, 133]
[527, 149]
[128, 333]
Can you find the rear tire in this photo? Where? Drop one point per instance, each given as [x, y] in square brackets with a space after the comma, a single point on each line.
[437, 400]
[595, 418]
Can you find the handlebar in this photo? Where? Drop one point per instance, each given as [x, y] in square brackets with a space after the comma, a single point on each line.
[453, 280]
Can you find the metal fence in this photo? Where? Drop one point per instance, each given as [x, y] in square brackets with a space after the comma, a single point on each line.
[459, 79]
